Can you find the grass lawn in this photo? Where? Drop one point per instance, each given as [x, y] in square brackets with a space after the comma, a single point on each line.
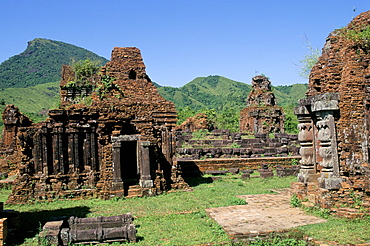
[177, 218]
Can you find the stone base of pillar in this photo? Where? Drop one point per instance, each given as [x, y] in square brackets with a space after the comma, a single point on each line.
[308, 176]
[330, 183]
[117, 185]
[146, 183]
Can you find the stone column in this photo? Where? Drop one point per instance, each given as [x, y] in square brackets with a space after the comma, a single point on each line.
[93, 150]
[306, 136]
[328, 147]
[76, 149]
[117, 174]
[87, 151]
[44, 150]
[145, 178]
[55, 146]
[71, 148]
[37, 152]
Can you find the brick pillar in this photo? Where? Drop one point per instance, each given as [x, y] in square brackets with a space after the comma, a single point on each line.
[145, 178]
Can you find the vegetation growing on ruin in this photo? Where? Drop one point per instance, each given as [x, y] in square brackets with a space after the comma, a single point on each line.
[308, 61]
[360, 37]
[85, 71]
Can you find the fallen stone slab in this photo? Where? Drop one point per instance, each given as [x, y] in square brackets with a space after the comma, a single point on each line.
[264, 214]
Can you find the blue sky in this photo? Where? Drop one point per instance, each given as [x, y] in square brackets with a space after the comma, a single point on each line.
[182, 40]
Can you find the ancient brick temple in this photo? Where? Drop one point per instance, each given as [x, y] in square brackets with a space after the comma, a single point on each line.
[335, 122]
[111, 137]
[261, 115]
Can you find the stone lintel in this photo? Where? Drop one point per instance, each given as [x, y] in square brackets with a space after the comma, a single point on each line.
[125, 138]
[329, 105]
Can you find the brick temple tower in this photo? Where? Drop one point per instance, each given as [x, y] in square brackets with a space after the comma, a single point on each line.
[111, 137]
[261, 115]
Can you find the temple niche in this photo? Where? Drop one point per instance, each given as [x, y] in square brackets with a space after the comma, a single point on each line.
[261, 115]
[110, 137]
[334, 123]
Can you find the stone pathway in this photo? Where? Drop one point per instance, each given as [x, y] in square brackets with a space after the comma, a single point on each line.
[264, 213]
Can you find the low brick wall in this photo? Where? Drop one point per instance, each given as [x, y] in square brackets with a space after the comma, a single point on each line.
[346, 202]
[190, 167]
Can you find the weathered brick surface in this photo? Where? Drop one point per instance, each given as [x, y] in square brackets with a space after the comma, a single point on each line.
[118, 143]
[335, 123]
[193, 167]
[261, 115]
[226, 145]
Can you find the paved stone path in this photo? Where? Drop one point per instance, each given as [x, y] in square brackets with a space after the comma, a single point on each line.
[264, 213]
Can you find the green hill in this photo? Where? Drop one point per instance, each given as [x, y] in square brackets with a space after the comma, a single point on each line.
[220, 93]
[41, 63]
[215, 92]
[34, 101]
[289, 94]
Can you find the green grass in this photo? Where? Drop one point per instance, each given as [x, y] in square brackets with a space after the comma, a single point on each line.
[179, 218]
[174, 218]
[341, 230]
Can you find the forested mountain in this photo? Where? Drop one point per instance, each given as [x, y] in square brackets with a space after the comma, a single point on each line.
[41, 63]
[220, 93]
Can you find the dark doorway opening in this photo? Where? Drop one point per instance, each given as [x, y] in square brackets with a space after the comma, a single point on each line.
[129, 163]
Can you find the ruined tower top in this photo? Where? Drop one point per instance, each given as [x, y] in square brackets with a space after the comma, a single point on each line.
[127, 68]
[126, 64]
[261, 94]
[344, 62]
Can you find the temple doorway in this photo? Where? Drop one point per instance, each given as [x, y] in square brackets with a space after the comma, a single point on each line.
[130, 171]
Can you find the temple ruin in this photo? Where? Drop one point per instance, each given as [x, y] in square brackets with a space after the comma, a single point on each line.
[261, 115]
[334, 124]
[110, 137]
